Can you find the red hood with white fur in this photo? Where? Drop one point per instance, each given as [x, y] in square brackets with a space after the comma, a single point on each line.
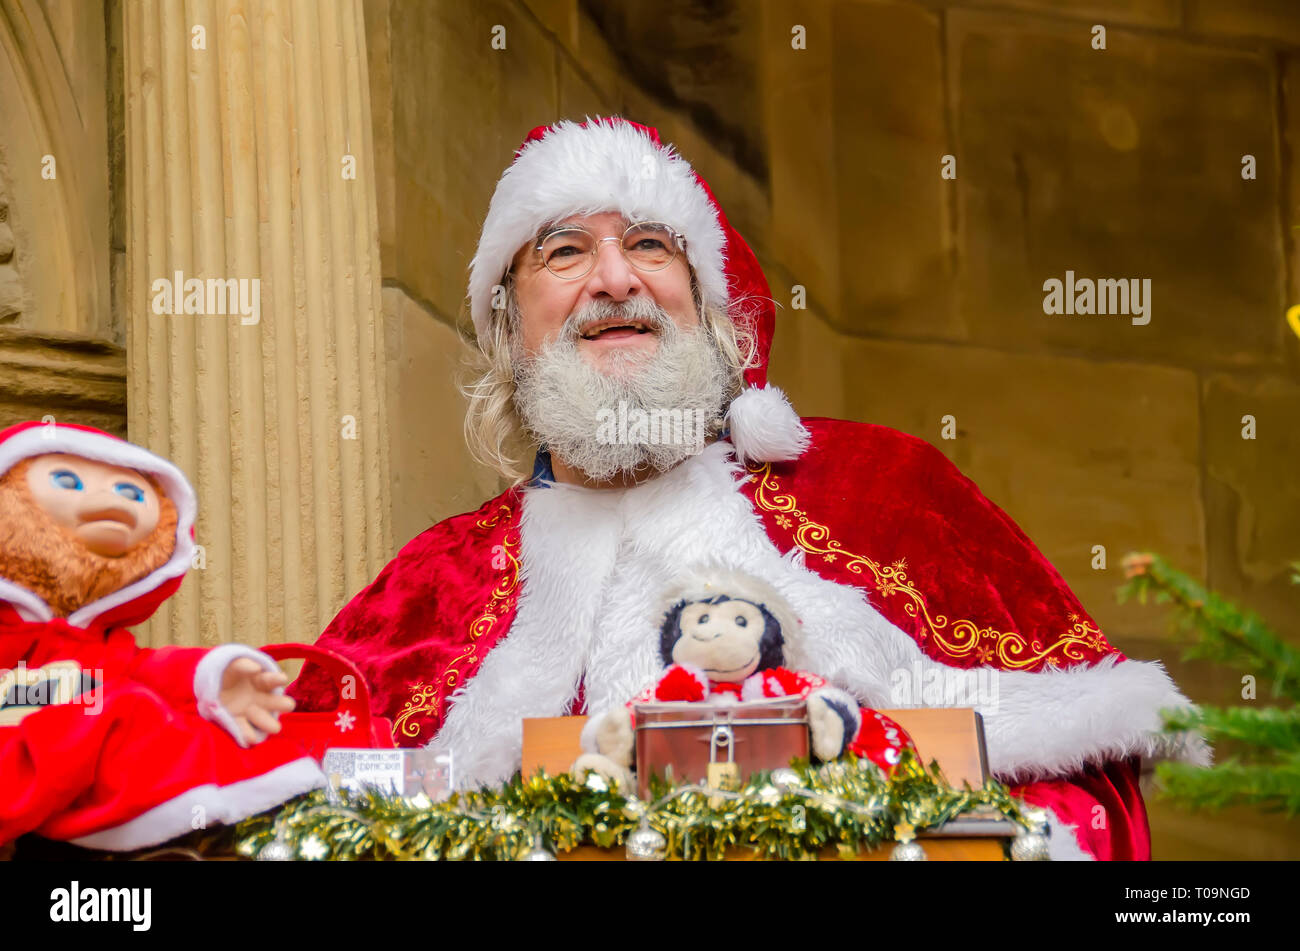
[139, 600]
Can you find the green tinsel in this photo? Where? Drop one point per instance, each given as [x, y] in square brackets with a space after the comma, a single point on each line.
[849, 804]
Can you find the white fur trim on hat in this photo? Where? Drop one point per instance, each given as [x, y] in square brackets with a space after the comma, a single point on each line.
[765, 427]
[600, 167]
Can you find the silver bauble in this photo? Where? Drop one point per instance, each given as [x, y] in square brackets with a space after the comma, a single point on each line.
[646, 844]
[277, 850]
[1029, 847]
[1036, 817]
[538, 853]
[786, 779]
[908, 852]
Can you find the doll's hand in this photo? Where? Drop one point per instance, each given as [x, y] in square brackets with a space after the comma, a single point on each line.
[602, 764]
[615, 737]
[248, 694]
[833, 720]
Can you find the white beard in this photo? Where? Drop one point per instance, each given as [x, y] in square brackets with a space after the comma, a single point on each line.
[564, 401]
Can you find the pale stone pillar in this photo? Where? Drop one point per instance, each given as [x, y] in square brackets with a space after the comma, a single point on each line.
[242, 117]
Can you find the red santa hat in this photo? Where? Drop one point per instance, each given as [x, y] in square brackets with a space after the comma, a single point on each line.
[614, 164]
[137, 601]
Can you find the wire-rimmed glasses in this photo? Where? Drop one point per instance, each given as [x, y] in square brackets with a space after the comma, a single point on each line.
[569, 251]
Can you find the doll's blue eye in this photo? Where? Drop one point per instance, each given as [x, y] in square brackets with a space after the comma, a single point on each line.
[740, 620]
[704, 619]
[66, 479]
[129, 491]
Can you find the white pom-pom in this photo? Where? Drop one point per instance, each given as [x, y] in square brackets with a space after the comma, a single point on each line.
[765, 427]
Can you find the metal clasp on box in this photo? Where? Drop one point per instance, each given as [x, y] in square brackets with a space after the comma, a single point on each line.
[723, 775]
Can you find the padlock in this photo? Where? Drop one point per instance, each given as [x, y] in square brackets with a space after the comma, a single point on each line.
[723, 775]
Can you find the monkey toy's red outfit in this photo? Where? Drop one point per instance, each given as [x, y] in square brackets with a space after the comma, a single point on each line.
[878, 738]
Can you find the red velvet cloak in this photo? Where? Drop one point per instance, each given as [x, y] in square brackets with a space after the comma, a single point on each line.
[935, 557]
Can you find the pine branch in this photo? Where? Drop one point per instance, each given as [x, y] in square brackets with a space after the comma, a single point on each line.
[1269, 777]
[1272, 788]
[1228, 635]
[1265, 727]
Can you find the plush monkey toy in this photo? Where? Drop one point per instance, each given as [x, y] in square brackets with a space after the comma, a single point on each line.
[101, 742]
[724, 640]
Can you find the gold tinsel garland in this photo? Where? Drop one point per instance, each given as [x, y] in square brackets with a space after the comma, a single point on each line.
[788, 814]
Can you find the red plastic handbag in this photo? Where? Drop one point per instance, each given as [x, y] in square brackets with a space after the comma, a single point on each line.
[351, 724]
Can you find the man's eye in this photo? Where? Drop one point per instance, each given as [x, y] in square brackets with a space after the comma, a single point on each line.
[129, 491]
[66, 479]
[649, 244]
[741, 621]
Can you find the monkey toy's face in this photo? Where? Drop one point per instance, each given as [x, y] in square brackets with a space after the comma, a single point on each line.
[109, 508]
[726, 639]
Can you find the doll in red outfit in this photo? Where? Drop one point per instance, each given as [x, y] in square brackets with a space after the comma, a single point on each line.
[725, 639]
[104, 743]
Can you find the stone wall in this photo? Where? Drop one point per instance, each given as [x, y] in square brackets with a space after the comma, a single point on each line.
[925, 294]
[54, 169]
[61, 353]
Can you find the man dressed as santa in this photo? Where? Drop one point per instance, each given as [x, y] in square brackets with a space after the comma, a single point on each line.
[614, 307]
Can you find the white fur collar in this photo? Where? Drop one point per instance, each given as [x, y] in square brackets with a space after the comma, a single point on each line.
[596, 563]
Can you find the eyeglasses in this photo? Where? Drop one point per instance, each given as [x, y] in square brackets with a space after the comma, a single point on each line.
[569, 252]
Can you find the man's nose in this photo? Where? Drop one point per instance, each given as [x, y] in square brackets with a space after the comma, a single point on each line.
[613, 275]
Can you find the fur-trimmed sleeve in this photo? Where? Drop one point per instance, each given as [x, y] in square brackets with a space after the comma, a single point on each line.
[421, 628]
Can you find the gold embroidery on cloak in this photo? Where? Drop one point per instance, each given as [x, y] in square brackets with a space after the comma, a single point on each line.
[428, 696]
[959, 638]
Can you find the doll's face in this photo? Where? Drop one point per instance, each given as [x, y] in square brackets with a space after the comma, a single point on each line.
[108, 508]
[723, 639]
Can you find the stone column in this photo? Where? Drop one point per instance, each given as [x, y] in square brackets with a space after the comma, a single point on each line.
[249, 169]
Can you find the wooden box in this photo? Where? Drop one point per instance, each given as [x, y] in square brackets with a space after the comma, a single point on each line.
[680, 740]
[952, 736]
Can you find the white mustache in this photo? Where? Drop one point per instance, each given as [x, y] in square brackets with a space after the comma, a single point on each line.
[634, 308]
